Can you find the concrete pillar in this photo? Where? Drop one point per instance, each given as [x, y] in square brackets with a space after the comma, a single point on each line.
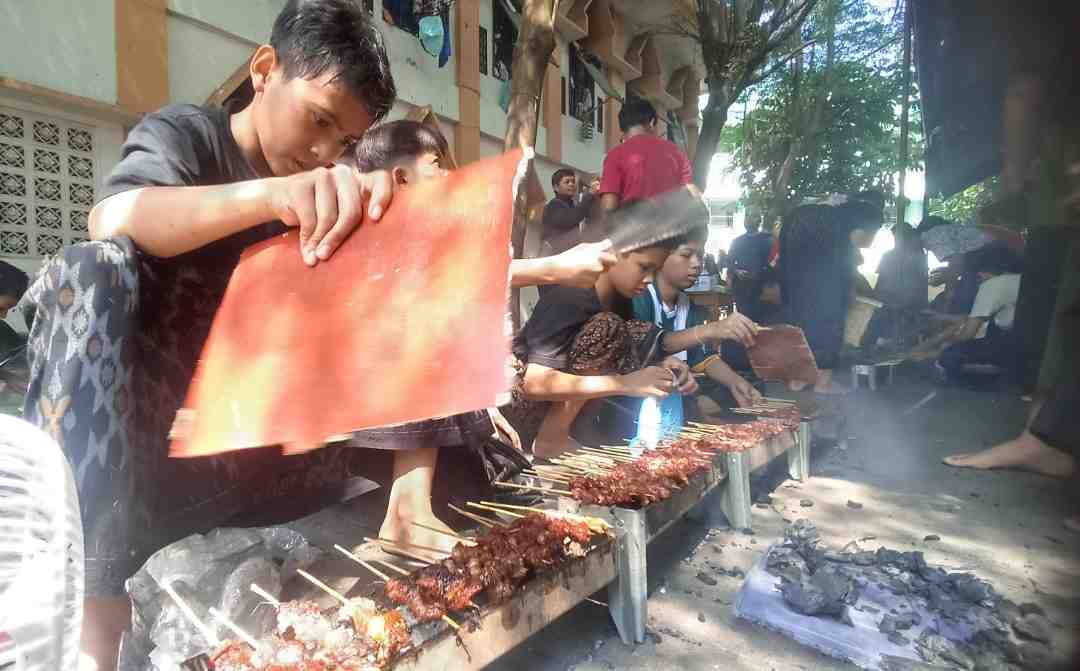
[142, 55]
[467, 130]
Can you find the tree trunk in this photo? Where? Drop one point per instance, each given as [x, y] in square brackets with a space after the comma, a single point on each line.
[535, 44]
[712, 125]
[901, 198]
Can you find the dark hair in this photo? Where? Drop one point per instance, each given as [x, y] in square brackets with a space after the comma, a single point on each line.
[13, 282]
[676, 204]
[995, 258]
[388, 144]
[560, 174]
[636, 112]
[313, 37]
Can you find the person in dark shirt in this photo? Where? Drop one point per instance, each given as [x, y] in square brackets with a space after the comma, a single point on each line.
[119, 322]
[819, 256]
[584, 344]
[645, 165]
[747, 261]
[579, 344]
[666, 304]
[563, 217]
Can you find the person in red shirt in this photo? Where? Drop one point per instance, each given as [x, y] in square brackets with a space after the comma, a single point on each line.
[645, 165]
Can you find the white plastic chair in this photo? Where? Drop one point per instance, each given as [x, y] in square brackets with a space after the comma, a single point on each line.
[41, 552]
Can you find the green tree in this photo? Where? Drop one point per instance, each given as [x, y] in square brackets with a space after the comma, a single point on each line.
[829, 122]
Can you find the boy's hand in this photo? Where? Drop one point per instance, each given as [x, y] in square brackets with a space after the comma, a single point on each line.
[326, 204]
[745, 394]
[736, 327]
[580, 266]
[652, 381]
[684, 379]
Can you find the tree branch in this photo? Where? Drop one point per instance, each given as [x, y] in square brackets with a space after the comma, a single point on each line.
[784, 29]
[775, 67]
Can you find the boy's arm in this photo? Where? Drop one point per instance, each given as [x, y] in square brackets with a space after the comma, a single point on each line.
[549, 384]
[579, 266]
[736, 327]
[744, 392]
[325, 203]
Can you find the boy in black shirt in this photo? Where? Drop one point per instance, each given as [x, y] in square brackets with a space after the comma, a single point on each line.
[119, 322]
[579, 344]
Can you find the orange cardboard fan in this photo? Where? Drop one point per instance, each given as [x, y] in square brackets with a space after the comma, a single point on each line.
[406, 321]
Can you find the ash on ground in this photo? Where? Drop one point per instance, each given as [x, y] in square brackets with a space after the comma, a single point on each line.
[953, 620]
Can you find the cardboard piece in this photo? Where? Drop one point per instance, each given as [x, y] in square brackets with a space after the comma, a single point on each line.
[405, 322]
[781, 354]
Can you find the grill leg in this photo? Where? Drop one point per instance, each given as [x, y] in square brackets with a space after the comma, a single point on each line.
[628, 593]
[799, 456]
[735, 501]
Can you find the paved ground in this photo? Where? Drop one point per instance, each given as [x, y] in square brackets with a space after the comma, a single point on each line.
[1006, 527]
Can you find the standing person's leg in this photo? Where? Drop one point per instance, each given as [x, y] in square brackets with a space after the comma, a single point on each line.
[84, 305]
[416, 447]
[553, 438]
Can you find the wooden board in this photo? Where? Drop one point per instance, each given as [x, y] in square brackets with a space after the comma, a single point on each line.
[405, 322]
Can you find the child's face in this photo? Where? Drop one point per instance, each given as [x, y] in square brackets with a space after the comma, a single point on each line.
[302, 123]
[633, 268]
[682, 267]
[426, 166]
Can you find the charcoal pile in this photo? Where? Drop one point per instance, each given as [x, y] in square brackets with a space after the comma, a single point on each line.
[949, 619]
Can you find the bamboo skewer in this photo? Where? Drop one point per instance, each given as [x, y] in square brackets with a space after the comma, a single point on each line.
[556, 481]
[511, 485]
[205, 630]
[485, 506]
[385, 578]
[270, 598]
[402, 548]
[531, 509]
[457, 537]
[474, 517]
[610, 455]
[324, 587]
[395, 569]
[234, 628]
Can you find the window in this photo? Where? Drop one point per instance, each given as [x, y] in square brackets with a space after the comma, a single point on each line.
[505, 37]
[47, 183]
[483, 50]
[582, 89]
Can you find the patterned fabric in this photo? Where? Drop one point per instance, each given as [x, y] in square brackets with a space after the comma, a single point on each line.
[606, 345]
[113, 345]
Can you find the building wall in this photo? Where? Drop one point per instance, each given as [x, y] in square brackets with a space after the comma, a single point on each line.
[46, 43]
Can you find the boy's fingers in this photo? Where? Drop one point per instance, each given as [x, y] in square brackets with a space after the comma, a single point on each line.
[377, 188]
[349, 212]
[303, 205]
[326, 213]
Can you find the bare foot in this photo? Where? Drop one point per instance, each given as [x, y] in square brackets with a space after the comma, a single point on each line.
[1025, 452]
[425, 540]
